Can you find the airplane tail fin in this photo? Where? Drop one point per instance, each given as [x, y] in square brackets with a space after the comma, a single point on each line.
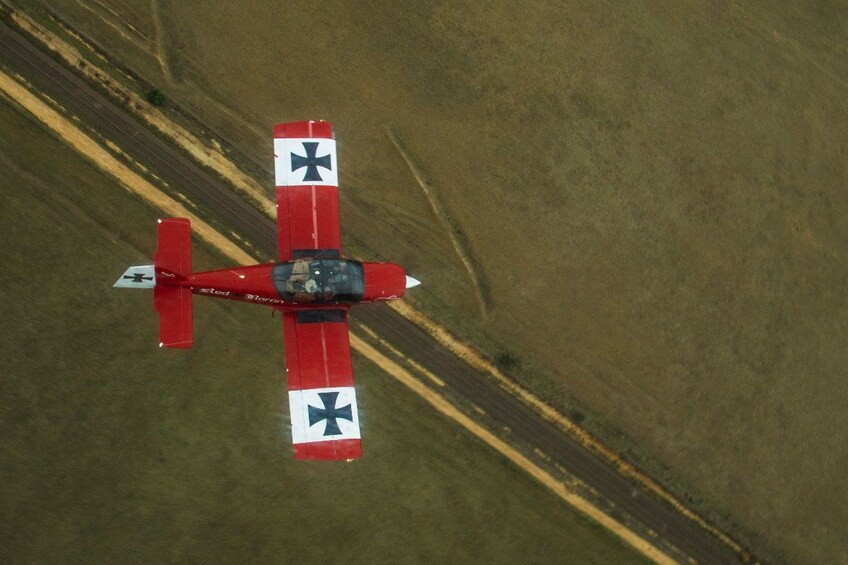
[142, 276]
[172, 263]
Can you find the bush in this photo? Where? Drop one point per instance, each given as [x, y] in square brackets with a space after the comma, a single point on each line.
[506, 361]
[156, 97]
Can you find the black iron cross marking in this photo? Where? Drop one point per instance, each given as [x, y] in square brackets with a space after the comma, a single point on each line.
[330, 413]
[311, 161]
[138, 278]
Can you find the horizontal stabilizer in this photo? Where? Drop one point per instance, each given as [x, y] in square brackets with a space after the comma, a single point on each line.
[176, 327]
[173, 256]
[172, 263]
[143, 276]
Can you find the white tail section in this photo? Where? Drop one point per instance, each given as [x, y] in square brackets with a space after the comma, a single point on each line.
[143, 276]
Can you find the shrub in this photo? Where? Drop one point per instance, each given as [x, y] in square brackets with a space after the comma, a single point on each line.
[156, 97]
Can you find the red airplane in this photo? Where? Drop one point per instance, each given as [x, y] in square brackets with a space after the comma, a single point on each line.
[312, 284]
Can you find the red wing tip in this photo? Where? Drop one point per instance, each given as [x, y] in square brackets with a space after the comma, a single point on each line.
[304, 128]
[340, 450]
[177, 344]
[184, 221]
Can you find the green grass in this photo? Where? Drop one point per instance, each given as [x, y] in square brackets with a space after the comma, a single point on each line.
[654, 194]
[114, 450]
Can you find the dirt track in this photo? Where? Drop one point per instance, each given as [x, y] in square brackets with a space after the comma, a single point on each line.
[462, 382]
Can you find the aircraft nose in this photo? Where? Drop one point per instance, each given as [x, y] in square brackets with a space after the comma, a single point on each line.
[411, 282]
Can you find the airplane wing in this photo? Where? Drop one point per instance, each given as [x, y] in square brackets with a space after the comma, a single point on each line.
[307, 190]
[322, 400]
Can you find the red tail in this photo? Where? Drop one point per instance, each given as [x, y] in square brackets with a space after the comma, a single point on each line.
[172, 262]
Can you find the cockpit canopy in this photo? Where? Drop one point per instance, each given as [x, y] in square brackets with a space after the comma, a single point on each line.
[319, 280]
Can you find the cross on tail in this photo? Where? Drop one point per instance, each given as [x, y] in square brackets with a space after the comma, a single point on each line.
[143, 276]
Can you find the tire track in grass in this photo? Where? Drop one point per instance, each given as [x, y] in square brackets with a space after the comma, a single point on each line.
[447, 222]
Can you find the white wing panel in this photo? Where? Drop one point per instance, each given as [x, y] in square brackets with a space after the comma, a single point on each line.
[323, 414]
[305, 161]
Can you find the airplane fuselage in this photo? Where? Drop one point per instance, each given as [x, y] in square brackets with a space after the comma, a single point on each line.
[306, 283]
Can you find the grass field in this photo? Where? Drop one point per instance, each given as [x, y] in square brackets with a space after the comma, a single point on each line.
[116, 451]
[653, 197]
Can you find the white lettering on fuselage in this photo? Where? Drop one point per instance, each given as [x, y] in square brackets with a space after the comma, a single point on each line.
[263, 300]
[214, 291]
[246, 297]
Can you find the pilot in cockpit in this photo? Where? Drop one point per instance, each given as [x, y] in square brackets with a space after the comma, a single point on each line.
[338, 273]
[336, 278]
[300, 282]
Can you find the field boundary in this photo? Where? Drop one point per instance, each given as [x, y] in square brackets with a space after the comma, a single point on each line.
[88, 148]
